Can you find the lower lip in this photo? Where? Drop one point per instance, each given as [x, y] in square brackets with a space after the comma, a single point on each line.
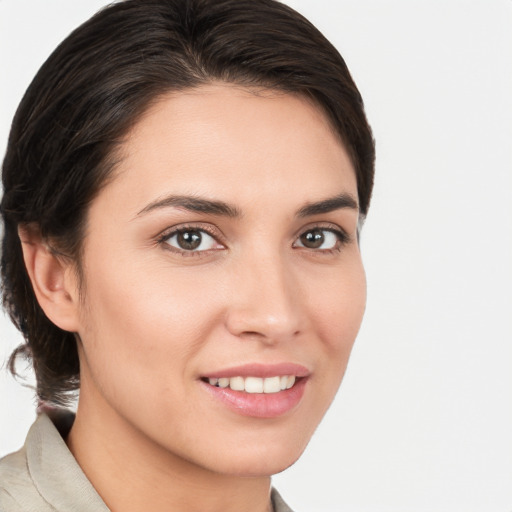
[259, 405]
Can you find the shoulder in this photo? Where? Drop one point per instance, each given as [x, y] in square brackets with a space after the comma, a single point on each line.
[278, 503]
[17, 491]
[30, 477]
[44, 476]
[12, 466]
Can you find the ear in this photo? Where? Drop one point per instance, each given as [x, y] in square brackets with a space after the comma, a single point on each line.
[53, 279]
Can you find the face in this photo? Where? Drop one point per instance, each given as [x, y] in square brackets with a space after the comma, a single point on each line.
[223, 280]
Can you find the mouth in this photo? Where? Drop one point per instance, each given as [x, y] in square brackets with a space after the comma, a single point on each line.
[254, 384]
[258, 391]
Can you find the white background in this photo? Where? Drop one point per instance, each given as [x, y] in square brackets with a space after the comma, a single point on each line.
[423, 421]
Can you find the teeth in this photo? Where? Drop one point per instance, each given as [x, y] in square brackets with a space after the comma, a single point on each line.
[255, 384]
[223, 382]
[237, 383]
[272, 385]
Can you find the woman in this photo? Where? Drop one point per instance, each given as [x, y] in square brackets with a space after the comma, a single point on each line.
[183, 190]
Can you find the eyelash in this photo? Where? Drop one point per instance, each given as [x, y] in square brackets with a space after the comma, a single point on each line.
[342, 236]
[166, 235]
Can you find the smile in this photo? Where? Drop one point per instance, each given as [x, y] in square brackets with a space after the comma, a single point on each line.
[255, 384]
[258, 390]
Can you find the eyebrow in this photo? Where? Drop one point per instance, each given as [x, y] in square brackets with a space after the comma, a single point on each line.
[214, 207]
[194, 204]
[329, 205]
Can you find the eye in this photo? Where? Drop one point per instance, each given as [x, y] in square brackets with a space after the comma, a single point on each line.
[320, 238]
[192, 240]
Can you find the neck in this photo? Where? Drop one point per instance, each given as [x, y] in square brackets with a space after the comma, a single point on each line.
[133, 474]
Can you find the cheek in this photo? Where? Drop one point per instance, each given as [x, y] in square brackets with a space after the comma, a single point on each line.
[339, 308]
[338, 312]
[145, 325]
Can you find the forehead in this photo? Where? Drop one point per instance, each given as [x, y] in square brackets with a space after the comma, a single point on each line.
[236, 143]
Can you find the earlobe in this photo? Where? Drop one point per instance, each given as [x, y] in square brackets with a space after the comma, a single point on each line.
[52, 278]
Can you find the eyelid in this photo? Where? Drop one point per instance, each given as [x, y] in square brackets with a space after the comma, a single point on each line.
[343, 236]
[209, 229]
[328, 226]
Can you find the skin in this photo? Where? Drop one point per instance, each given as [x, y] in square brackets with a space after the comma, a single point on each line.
[154, 318]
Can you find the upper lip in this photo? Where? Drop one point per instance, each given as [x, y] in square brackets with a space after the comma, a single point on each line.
[259, 370]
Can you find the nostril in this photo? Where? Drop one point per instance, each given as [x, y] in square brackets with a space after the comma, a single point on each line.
[251, 334]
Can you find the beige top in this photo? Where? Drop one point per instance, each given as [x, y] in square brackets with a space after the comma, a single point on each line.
[44, 476]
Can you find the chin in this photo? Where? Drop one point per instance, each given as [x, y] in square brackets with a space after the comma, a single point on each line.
[261, 460]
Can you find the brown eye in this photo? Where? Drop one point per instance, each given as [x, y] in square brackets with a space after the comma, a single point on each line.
[319, 238]
[192, 240]
[189, 240]
[312, 239]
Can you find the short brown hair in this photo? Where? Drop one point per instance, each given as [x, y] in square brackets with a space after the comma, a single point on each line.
[96, 85]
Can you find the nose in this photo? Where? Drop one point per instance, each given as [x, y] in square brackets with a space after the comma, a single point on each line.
[266, 301]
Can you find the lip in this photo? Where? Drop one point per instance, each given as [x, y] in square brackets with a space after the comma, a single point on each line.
[259, 405]
[259, 370]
